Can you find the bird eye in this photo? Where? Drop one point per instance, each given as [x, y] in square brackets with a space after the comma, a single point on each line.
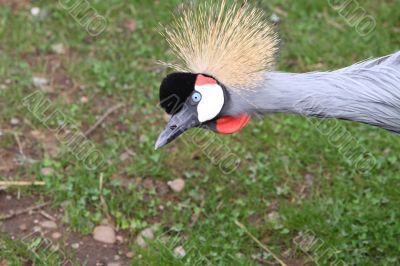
[196, 97]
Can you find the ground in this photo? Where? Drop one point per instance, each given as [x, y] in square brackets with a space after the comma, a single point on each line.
[295, 190]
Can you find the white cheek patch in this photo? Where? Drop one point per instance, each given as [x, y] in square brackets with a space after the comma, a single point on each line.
[212, 101]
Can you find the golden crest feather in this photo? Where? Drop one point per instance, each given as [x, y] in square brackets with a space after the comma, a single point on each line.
[233, 43]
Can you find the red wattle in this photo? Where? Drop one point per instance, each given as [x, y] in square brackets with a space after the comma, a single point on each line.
[231, 124]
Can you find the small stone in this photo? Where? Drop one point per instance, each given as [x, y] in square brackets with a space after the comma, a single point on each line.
[35, 11]
[23, 227]
[148, 233]
[15, 121]
[145, 234]
[58, 48]
[275, 18]
[39, 13]
[309, 178]
[116, 257]
[47, 171]
[84, 99]
[130, 255]
[48, 225]
[56, 235]
[75, 245]
[180, 252]
[177, 185]
[104, 234]
[40, 82]
[114, 264]
[273, 216]
[37, 229]
[120, 239]
[35, 221]
[130, 25]
[8, 197]
[125, 156]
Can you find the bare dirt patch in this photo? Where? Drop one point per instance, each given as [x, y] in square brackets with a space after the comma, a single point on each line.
[15, 4]
[54, 68]
[47, 140]
[31, 224]
[26, 148]
[8, 163]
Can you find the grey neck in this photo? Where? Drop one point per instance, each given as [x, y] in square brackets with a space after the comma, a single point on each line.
[367, 96]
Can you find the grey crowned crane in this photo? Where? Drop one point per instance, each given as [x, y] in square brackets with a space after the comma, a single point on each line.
[224, 76]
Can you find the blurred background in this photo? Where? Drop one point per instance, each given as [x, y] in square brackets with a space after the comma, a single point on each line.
[88, 70]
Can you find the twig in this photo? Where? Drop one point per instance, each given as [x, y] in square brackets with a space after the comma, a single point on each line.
[102, 200]
[101, 183]
[259, 243]
[48, 216]
[23, 211]
[10, 132]
[101, 119]
[21, 150]
[21, 183]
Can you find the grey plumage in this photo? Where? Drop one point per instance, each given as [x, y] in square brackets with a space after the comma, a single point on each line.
[366, 92]
[233, 45]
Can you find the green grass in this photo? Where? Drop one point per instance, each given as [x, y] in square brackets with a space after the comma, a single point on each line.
[354, 214]
[36, 251]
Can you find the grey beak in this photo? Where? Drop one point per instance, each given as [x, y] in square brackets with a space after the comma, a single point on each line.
[179, 123]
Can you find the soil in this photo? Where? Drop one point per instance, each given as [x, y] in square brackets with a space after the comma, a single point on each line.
[15, 4]
[23, 227]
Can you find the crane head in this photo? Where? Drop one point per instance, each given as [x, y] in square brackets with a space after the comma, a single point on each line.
[195, 100]
[223, 48]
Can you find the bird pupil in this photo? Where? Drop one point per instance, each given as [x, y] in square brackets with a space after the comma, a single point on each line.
[196, 97]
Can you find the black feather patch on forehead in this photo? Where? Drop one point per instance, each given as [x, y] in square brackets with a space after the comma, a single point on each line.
[175, 89]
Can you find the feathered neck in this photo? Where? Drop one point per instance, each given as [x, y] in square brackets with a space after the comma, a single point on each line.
[367, 95]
